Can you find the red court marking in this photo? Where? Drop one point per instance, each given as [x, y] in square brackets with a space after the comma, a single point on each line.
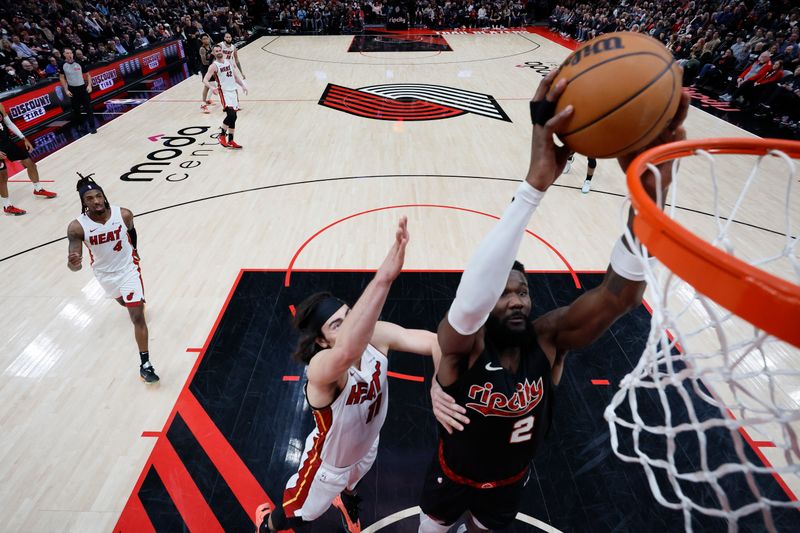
[764, 444]
[134, 519]
[171, 417]
[241, 481]
[407, 377]
[291, 378]
[455, 208]
[151, 433]
[195, 350]
[600, 382]
[182, 489]
[292, 310]
[154, 138]
[566, 42]
[29, 181]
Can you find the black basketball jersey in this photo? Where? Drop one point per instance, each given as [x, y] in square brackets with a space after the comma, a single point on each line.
[509, 415]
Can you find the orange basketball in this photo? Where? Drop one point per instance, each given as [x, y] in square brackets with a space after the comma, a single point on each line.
[625, 88]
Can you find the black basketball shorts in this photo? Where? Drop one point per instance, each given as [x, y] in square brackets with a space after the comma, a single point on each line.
[446, 500]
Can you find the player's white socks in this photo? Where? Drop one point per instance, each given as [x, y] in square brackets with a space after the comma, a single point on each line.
[37, 186]
[6, 201]
[429, 525]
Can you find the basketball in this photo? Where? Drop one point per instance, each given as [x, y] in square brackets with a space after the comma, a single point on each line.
[625, 88]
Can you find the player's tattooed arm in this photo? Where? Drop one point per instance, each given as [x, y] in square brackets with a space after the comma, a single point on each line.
[590, 315]
[75, 251]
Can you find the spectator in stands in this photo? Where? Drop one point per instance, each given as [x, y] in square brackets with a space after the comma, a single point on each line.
[51, 70]
[22, 49]
[749, 77]
[140, 41]
[119, 48]
[720, 69]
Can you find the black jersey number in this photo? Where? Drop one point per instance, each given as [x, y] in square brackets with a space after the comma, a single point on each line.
[523, 430]
[229, 73]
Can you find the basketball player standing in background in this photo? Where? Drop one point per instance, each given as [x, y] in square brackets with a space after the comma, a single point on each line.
[9, 150]
[205, 60]
[228, 79]
[114, 259]
[346, 353]
[501, 365]
[231, 53]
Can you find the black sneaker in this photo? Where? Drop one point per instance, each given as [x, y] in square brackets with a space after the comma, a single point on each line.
[349, 504]
[148, 373]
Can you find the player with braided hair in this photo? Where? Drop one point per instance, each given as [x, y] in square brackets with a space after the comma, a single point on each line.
[113, 257]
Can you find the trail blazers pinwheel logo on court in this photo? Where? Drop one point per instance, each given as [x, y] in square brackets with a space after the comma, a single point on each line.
[410, 101]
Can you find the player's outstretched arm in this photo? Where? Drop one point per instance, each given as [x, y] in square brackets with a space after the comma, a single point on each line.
[359, 326]
[486, 274]
[590, 315]
[75, 250]
[390, 336]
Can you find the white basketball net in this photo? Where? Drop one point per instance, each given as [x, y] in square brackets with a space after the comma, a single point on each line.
[707, 378]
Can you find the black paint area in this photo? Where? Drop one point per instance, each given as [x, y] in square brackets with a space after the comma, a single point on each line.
[393, 43]
[578, 483]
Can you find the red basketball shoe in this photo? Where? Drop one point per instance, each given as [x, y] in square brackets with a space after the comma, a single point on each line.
[11, 210]
[42, 193]
[224, 141]
[232, 144]
[349, 505]
[262, 518]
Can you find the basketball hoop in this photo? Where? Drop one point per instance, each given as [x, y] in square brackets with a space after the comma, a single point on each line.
[722, 357]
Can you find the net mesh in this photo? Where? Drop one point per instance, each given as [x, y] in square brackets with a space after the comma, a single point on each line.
[712, 409]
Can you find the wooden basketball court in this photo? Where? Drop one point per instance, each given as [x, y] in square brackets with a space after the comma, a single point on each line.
[310, 202]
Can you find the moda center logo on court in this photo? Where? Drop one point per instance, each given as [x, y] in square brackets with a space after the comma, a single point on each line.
[410, 101]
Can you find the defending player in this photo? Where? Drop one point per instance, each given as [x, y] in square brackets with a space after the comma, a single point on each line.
[346, 353]
[9, 150]
[501, 365]
[114, 258]
[228, 79]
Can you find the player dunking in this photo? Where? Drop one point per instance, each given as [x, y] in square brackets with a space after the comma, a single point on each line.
[109, 235]
[205, 61]
[501, 366]
[228, 80]
[9, 150]
[230, 52]
[346, 353]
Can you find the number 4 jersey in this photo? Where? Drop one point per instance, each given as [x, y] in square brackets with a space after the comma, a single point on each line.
[110, 248]
[509, 415]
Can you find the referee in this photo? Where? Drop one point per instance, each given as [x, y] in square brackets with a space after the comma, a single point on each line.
[78, 85]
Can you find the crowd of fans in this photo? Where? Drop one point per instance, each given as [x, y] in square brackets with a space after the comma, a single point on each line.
[326, 16]
[34, 33]
[746, 53]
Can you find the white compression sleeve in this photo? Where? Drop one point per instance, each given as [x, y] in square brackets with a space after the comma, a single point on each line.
[12, 127]
[486, 274]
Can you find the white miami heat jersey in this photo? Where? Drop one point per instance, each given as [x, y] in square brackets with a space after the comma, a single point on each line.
[227, 51]
[347, 429]
[110, 248]
[225, 75]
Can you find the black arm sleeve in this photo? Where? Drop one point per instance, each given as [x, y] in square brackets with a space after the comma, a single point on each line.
[132, 235]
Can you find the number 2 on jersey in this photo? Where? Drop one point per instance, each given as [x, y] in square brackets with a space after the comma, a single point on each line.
[523, 430]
